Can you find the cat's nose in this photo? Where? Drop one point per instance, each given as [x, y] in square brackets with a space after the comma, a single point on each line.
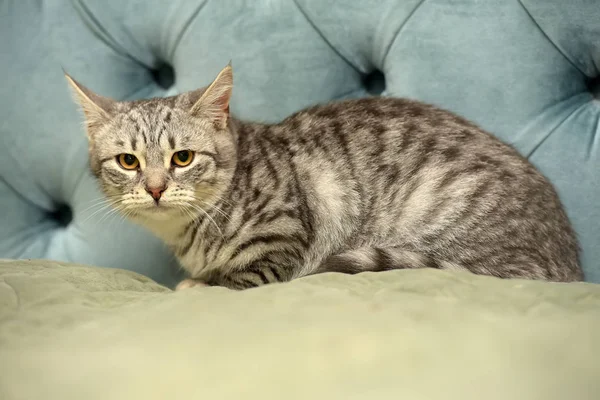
[156, 192]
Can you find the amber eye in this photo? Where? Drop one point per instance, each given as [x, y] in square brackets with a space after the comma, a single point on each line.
[182, 158]
[128, 161]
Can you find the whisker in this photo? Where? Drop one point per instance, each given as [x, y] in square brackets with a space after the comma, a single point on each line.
[99, 202]
[221, 199]
[103, 198]
[198, 208]
[102, 204]
[126, 213]
[217, 209]
[98, 211]
[195, 217]
[187, 211]
[121, 215]
[114, 211]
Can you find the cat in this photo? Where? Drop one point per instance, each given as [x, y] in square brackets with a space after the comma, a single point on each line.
[368, 184]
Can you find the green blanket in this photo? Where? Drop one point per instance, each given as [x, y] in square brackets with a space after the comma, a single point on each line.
[76, 332]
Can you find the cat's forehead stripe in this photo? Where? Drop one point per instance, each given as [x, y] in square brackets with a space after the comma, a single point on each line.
[136, 117]
[150, 120]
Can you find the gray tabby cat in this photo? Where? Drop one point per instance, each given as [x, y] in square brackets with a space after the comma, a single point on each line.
[360, 185]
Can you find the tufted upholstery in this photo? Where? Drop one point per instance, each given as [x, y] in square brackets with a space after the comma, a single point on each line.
[526, 70]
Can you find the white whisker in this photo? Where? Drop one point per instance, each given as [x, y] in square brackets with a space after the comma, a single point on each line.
[114, 211]
[98, 211]
[217, 198]
[103, 207]
[198, 208]
[98, 203]
[217, 209]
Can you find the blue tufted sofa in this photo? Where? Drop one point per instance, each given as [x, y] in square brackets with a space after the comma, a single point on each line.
[526, 70]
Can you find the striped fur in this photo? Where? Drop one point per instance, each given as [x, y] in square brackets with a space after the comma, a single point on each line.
[358, 185]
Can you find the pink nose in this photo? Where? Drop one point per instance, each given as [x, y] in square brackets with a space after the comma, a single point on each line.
[156, 192]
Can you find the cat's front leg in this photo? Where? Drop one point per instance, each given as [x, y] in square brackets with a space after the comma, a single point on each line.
[189, 283]
[256, 274]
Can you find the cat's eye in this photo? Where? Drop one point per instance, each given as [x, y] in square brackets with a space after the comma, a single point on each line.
[128, 161]
[182, 158]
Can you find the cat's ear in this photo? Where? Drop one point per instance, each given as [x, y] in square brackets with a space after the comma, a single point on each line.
[97, 109]
[214, 102]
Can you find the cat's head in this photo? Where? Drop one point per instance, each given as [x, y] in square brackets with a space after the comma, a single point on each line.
[162, 157]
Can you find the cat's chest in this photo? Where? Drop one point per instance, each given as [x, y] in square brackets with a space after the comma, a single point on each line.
[193, 261]
[169, 231]
[206, 254]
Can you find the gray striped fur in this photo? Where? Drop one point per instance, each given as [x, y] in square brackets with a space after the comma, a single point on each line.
[359, 185]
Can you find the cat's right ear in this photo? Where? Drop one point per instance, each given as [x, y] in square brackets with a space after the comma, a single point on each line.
[97, 109]
[214, 100]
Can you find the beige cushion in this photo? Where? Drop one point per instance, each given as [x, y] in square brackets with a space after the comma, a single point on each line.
[76, 332]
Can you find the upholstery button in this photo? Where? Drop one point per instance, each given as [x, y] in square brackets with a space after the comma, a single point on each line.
[63, 215]
[374, 82]
[164, 76]
[593, 85]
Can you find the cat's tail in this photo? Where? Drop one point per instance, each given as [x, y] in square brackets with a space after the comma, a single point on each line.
[380, 259]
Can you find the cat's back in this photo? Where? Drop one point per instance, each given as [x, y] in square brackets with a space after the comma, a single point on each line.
[382, 115]
[391, 127]
[370, 107]
[401, 142]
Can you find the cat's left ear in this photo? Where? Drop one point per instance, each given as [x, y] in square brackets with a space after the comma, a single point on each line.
[97, 109]
[214, 102]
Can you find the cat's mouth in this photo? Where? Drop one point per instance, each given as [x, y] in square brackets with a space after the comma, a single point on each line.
[161, 211]
[154, 207]
[166, 208]
[159, 206]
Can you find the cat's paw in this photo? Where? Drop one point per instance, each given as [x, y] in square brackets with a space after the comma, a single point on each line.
[189, 283]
